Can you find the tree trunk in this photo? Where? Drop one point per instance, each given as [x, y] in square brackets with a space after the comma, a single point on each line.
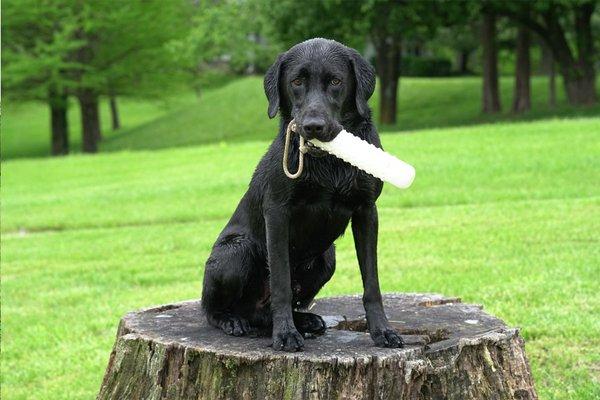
[552, 84]
[88, 97]
[463, 62]
[90, 120]
[582, 87]
[522, 99]
[578, 74]
[452, 351]
[59, 123]
[491, 94]
[114, 113]
[549, 68]
[388, 69]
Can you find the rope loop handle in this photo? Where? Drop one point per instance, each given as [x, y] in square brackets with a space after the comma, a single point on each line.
[288, 133]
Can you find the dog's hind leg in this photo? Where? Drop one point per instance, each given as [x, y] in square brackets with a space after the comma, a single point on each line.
[307, 322]
[228, 277]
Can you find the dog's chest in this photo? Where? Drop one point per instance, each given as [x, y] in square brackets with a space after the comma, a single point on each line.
[325, 208]
[323, 201]
[333, 194]
[333, 183]
[320, 214]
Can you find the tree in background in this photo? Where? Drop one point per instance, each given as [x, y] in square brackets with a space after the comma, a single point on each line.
[491, 94]
[462, 39]
[55, 49]
[225, 36]
[556, 22]
[37, 40]
[124, 53]
[522, 94]
[549, 68]
[387, 25]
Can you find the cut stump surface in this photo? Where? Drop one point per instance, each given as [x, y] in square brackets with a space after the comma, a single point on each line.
[452, 351]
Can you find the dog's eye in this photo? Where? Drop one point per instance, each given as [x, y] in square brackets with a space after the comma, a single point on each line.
[335, 81]
[297, 82]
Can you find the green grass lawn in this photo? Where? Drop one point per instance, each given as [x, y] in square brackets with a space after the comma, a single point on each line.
[237, 112]
[507, 215]
[26, 126]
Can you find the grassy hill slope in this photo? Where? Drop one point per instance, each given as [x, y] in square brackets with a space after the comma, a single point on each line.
[237, 112]
[506, 215]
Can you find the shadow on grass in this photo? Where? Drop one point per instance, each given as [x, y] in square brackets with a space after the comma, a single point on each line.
[559, 112]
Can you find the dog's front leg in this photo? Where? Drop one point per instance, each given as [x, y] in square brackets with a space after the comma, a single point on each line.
[285, 334]
[364, 227]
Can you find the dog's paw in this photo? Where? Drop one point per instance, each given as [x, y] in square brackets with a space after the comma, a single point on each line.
[309, 323]
[288, 340]
[236, 326]
[387, 337]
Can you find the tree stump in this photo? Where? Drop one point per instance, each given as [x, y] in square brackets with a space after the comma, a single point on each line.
[452, 351]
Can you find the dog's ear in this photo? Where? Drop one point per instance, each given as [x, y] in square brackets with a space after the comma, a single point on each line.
[365, 82]
[271, 83]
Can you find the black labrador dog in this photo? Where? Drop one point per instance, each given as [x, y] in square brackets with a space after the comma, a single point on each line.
[277, 250]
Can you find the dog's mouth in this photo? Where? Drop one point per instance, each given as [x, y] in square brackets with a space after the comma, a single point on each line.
[314, 151]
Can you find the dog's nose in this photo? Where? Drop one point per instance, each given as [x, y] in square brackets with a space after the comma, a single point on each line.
[313, 127]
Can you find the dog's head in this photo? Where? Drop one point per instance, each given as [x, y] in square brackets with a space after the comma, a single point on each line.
[319, 83]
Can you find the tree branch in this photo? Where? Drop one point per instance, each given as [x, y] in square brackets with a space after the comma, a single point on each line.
[524, 19]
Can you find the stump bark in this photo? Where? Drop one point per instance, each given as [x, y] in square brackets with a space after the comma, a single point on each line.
[453, 351]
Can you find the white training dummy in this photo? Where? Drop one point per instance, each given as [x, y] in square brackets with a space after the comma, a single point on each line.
[371, 159]
[357, 152]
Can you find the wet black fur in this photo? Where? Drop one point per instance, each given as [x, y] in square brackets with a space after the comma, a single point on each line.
[277, 250]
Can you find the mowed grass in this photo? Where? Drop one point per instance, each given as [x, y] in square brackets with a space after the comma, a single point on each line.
[26, 126]
[237, 112]
[507, 215]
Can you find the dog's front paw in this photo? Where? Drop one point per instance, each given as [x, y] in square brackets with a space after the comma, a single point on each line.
[288, 340]
[386, 337]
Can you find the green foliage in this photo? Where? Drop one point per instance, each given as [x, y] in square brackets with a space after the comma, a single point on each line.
[69, 45]
[291, 21]
[355, 22]
[37, 41]
[425, 66]
[127, 45]
[550, 19]
[506, 215]
[451, 41]
[225, 35]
